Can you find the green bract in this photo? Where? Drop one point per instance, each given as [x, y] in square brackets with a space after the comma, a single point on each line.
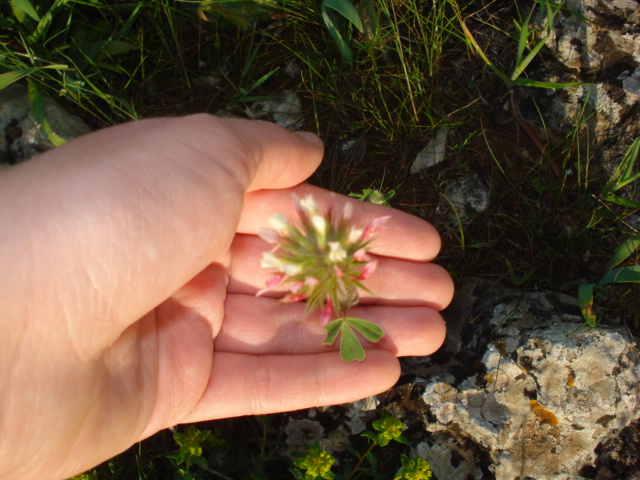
[413, 469]
[390, 428]
[317, 463]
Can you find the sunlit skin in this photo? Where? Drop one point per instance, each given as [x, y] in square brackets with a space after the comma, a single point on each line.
[130, 261]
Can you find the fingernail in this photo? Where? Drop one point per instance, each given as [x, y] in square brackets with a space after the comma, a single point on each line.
[310, 137]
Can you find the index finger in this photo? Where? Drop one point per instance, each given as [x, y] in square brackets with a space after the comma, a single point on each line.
[402, 235]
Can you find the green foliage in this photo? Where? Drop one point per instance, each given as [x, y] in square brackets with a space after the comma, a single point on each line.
[237, 451]
[374, 196]
[623, 176]
[350, 347]
[612, 275]
[523, 59]
[388, 428]
[339, 17]
[61, 46]
[413, 469]
[85, 476]
[191, 446]
[317, 463]
[242, 13]
[36, 102]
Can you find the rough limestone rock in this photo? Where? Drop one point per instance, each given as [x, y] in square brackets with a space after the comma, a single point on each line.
[547, 397]
[21, 136]
[618, 456]
[330, 427]
[533, 396]
[599, 43]
[284, 110]
[517, 392]
[469, 195]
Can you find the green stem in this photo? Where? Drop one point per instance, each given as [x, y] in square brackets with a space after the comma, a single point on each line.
[360, 460]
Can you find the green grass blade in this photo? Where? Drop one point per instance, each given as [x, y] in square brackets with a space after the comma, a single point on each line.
[36, 102]
[524, 34]
[585, 300]
[521, 66]
[8, 78]
[525, 82]
[609, 197]
[341, 43]
[627, 163]
[628, 180]
[621, 275]
[622, 174]
[41, 30]
[263, 79]
[346, 9]
[480, 52]
[24, 7]
[623, 252]
[562, 6]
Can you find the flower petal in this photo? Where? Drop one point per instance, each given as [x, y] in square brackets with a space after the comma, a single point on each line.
[269, 260]
[279, 222]
[371, 227]
[320, 224]
[269, 235]
[360, 255]
[294, 297]
[272, 282]
[336, 252]
[368, 269]
[290, 268]
[308, 204]
[327, 311]
[347, 211]
[355, 234]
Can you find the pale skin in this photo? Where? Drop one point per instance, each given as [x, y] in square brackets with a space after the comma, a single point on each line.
[130, 261]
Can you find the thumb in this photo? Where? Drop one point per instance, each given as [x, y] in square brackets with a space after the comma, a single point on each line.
[282, 159]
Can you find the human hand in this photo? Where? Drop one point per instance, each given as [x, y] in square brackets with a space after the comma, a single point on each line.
[131, 260]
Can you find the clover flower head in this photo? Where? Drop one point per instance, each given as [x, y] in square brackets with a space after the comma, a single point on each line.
[320, 255]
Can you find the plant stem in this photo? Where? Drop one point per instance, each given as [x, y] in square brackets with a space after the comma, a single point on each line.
[360, 460]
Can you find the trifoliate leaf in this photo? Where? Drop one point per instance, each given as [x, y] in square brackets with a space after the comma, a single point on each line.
[350, 348]
[333, 329]
[368, 330]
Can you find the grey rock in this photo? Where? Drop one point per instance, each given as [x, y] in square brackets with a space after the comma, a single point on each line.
[349, 420]
[618, 456]
[292, 69]
[604, 51]
[530, 392]
[21, 136]
[432, 154]
[284, 110]
[631, 81]
[469, 195]
[303, 432]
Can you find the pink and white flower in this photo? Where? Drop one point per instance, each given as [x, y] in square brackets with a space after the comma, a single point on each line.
[320, 255]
